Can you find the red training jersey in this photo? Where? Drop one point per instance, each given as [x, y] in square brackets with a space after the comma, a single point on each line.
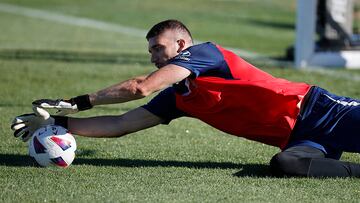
[233, 96]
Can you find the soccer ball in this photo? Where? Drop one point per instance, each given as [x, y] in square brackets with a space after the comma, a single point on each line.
[52, 145]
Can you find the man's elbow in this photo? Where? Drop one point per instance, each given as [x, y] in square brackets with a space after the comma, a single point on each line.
[142, 91]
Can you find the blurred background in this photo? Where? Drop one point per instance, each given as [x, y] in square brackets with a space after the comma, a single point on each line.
[254, 28]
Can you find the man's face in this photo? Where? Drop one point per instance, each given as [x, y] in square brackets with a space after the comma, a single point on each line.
[163, 47]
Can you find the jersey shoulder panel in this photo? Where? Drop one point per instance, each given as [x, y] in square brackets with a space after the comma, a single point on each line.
[203, 60]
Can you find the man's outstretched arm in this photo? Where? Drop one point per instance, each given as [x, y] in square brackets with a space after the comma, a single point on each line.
[100, 126]
[139, 87]
[114, 126]
[128, 90]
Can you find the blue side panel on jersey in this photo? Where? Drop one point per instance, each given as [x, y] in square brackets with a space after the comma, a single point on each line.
[203, 60]
[164, 105]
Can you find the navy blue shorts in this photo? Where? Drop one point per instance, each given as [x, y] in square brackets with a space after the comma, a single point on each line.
[328, 122]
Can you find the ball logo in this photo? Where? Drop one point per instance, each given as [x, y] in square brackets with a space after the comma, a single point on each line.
[55, 130]
[42, 131]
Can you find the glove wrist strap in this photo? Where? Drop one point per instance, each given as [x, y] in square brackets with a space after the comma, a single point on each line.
[82, 102]
[61, 121]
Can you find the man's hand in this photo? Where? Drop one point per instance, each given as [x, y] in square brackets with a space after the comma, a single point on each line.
[65, 107]
[25, 125]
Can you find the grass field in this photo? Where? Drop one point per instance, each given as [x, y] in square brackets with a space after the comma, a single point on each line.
[186, 161]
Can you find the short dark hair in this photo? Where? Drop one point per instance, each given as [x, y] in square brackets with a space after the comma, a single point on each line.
[161, 27]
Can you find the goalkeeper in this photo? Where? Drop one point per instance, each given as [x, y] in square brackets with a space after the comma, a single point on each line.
[310, 125]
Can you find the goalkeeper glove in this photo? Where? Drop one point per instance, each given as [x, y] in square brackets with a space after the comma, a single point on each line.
[25, 125]
[64, 107]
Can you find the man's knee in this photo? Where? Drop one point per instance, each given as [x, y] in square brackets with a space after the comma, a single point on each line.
[287, 164]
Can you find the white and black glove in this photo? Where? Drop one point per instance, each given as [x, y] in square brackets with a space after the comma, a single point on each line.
[64, 107]
[25, 125]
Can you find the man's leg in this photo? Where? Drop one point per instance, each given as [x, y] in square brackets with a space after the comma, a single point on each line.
[307, 161]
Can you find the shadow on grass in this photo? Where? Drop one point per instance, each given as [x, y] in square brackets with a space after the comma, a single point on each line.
[16, 160]
[253, 170]
[75, 56]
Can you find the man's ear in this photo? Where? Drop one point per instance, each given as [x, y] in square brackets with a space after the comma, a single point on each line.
[181, 43]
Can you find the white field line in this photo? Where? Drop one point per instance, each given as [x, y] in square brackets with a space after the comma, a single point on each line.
[71, 20]
[91, 23]
[117, 28]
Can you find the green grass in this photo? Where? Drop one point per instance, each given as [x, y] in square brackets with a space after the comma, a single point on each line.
[186, 161]
[236, 23]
